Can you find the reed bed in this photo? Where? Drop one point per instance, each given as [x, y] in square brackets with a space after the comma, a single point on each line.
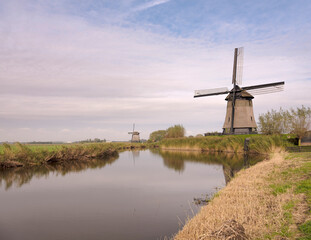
[17, 155]
[232, 143]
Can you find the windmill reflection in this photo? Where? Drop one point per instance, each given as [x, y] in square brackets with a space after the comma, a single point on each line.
[135, 155]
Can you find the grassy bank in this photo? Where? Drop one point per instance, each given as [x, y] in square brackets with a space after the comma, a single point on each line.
[18, 155]
[227, 143]
[271, 200]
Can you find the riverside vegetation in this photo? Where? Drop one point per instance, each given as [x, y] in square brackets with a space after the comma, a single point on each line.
[261, 144]
[295, 121]
[18, 155]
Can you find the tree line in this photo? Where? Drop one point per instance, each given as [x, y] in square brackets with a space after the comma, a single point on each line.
[296, 121]
[175, 131]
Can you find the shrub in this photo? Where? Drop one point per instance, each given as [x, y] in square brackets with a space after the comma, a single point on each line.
[177, 131]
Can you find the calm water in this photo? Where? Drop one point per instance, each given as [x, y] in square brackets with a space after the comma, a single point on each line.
[140, 195]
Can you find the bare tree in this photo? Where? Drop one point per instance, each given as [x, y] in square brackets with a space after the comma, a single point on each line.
[295, 121]
[274, 122]
[300, 121]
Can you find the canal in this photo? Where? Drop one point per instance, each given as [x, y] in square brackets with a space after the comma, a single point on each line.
[139, 195]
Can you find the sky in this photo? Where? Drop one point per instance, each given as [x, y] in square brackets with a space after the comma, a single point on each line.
[72, 70]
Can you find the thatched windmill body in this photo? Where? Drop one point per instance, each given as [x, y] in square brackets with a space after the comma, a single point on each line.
[240, 115]
[135, 135]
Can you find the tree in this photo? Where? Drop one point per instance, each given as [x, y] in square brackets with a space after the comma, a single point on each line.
[300, 121]
[157, 135]
[199, 135]
[295, 121]
[274, 122]
[176, 131]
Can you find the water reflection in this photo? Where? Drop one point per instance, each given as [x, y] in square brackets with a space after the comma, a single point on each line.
[21, 176]
[231, 162]
[140, 192]
[135, 155]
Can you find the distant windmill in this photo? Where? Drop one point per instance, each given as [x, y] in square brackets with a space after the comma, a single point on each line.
[240, 115]
[135, 135]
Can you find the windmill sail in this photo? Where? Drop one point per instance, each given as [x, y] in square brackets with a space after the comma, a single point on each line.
[239, 70]
[265, 88]
[238, 66]
[210, 92]
[263, 85]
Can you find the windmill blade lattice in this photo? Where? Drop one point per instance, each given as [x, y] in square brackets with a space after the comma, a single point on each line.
[210, 92]
[240, 61]
[265, 88]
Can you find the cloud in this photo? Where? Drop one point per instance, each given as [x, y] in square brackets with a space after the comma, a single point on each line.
[150, 4]
[24, 129]
[95, 79]
[65, 130]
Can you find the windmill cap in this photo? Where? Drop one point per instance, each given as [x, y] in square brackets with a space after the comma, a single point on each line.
[241, 94]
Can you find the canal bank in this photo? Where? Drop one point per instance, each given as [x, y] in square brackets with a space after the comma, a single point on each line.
[28, 155]
[256, 144]
[270, 200]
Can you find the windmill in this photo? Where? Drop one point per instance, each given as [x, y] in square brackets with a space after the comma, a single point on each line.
[240, 115]
[135, 135]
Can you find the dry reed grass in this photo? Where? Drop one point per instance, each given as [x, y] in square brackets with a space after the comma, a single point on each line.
[249, 201]
[18, 155]
[183, 148]
[226, 143]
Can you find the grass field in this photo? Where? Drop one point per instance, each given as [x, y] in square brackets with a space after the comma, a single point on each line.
[296, 180]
